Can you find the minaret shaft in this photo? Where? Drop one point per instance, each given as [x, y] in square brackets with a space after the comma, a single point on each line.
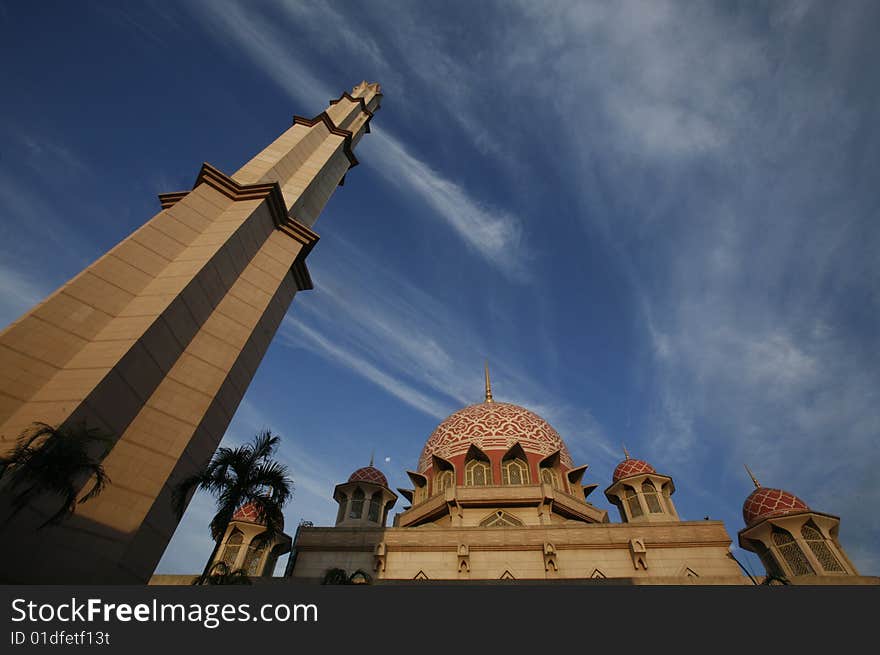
[157, 341]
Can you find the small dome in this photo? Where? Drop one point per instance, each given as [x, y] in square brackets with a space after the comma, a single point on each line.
[629, 467]
[369, 474]
[764, 502]
[248, 513]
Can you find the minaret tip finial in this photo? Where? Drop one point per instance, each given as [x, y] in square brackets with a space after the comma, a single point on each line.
[625, 452]
[489, 398]
[752, 476]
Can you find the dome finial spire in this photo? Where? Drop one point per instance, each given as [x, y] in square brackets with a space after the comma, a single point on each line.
[372, 454]
[752, 476]
[489, 398]
[625, 452]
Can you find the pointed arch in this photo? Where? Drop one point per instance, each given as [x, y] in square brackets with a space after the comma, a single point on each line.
[477, 469]
[515, 466]
[548, 472]
[444, 474]
[818, 544]
[632, 501]
[652, 500]
[420, 576]
[233, 547]
[507, 575]
[792, 554]
[597, 575]
[357, 504]
[375, 507]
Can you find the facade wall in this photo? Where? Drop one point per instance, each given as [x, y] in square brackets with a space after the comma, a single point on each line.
[580, 550]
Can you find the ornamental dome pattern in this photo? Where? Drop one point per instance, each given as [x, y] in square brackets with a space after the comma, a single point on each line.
[629, 467]
[369, 474]
[248, 513]
[493, 426]
[764, 503]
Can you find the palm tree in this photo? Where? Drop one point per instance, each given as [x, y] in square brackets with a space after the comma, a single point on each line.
[55, 460]
[238, 476]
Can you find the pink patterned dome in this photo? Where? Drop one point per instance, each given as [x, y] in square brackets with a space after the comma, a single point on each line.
[369, 474]
[248, 513]
[630, 467]
[764, 502]
[493, 426]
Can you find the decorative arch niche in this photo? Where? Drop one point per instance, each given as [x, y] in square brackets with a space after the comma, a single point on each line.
[515, 466]
[501, 519]
[477, 468]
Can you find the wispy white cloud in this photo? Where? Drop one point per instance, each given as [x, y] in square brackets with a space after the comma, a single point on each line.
[491, 232]
[45, 155]
[291, 331]
[420, 350]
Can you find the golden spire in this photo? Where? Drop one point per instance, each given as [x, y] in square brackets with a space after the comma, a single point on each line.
[752, 476]
[625, 453]
[488, 385]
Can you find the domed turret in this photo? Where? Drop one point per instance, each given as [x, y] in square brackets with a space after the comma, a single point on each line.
[793, 541]
[242, 547]
[365, 499]
[640, 493]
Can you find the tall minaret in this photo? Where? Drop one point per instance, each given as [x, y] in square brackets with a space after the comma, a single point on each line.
[156, 342]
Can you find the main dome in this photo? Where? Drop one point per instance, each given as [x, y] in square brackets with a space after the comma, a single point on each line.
[493, 426]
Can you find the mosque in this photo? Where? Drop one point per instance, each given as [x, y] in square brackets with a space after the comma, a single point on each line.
[496, 496]
[155, 343]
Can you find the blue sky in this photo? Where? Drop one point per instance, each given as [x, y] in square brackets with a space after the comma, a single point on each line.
[657, 220]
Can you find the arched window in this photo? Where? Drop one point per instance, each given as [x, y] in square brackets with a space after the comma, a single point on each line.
[233, 546]
[651, 499]
[791, 553]
[632, 501]
[375, 505]
[820, 549]
[357, 504]
[444, 480]
[254, 555]
[514, 471]
[548, 476]
[477, 473]
[343, 503]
